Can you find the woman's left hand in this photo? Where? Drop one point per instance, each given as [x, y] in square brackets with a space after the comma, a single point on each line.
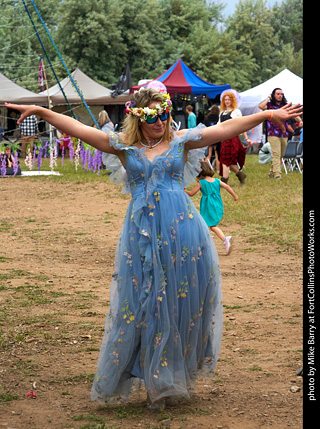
[279, 116]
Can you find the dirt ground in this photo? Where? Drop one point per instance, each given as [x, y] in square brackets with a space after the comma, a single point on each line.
[56, 261]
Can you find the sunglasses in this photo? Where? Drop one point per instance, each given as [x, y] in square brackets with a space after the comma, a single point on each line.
[153, 119]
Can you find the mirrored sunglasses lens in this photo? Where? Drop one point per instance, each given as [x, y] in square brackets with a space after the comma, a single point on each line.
[151, 119]
[164, 116]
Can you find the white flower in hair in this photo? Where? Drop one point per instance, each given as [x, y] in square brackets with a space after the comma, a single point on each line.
[142, 113]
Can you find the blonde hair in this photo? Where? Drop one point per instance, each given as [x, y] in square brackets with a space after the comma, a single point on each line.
[233, 99]
[143, 98]
[103, 118]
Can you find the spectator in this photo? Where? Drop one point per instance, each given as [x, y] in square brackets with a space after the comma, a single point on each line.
[213, 154]
[213, 116]
[104, 120]
[28, 131]
[301, 135]
[277, 135]
[1, 132]
[12, 167]
[192, 119]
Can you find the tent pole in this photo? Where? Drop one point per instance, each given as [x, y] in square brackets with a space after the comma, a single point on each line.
[44, 50]
[49, 101]
[45, 78]
[64, 65]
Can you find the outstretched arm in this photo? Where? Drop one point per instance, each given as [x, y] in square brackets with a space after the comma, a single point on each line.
[228, 129]
[96, 138]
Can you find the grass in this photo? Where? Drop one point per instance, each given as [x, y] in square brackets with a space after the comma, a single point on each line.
[268, 211]
[67, 171]
[7, 397]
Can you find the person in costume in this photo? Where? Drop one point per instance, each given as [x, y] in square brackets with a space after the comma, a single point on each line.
[232, 151]
[164, 325]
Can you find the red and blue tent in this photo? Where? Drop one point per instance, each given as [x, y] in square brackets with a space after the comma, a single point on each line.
[182, 80]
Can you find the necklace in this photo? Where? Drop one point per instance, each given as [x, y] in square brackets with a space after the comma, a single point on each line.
[152, 146]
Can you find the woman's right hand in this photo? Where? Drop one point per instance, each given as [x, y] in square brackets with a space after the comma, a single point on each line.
[25, 110]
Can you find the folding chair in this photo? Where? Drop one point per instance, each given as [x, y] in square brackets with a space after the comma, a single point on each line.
[299, 157]
[295, 139]
[289, 157]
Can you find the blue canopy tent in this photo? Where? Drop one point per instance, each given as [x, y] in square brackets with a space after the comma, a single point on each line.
[179, 79]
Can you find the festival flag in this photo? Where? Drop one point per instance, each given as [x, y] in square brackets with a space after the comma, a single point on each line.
[41, 75]
[124, 82]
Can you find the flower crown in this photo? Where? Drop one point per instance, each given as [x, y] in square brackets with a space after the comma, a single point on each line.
[143, 112]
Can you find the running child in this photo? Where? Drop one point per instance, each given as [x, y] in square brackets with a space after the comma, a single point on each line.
[211, 205]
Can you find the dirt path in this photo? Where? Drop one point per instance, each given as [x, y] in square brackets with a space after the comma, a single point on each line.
[56, 261]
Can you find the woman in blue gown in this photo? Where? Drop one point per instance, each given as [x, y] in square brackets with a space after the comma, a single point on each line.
[164, 325]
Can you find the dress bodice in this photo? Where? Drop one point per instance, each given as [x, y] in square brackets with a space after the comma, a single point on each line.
[166, 170]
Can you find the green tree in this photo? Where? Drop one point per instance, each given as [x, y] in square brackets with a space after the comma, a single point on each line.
[288, 23]
[184, 21]
[16, 54]
[20, 48]
[251, 26]
[216, 57]
[100, 36]
[90, 36]
[180, 16]
[293, 60]
[143, 33]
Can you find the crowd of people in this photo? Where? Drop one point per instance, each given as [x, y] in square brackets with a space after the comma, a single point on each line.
[224, 156]
[229, 155]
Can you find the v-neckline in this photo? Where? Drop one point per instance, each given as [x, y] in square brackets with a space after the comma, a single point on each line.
[143, 151]
[156, 156]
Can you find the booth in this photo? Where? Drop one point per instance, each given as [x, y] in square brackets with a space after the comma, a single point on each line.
[180, 79]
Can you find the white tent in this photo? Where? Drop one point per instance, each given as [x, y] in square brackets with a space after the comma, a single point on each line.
[92, 91]
[96, 96]
[292, 86]
[10, 92]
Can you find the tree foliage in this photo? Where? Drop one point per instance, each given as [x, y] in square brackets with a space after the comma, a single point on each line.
[101, 36]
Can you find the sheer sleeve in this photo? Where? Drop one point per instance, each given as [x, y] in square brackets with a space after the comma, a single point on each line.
[112, 162]
[192, 166]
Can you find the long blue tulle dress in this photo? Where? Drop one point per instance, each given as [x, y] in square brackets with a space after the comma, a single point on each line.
[165, 320]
